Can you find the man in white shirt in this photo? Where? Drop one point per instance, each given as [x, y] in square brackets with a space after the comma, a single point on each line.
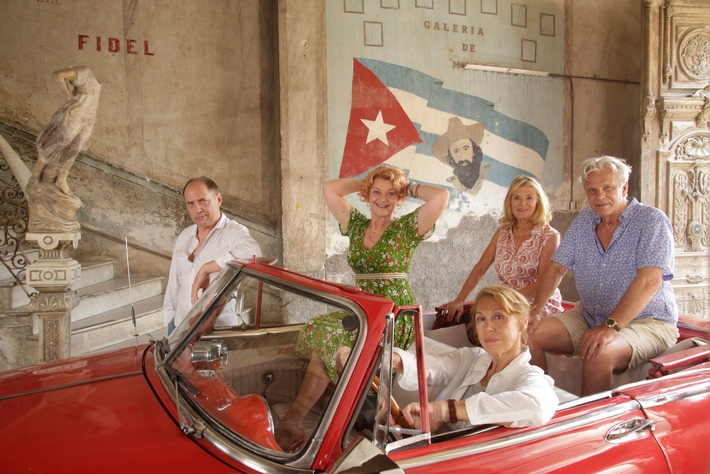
[202, 250]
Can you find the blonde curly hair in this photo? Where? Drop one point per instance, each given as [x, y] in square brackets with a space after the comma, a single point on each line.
[391, 174]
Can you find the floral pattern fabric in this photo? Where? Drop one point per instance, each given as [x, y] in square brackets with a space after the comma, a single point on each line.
[391, 254]
[518, 269]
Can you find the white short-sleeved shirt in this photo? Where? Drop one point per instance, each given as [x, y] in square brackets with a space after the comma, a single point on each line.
[228, 240]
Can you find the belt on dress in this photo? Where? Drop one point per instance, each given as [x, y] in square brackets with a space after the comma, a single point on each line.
[380, 276]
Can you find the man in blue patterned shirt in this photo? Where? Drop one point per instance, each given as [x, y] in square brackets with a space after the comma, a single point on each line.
[622, 256]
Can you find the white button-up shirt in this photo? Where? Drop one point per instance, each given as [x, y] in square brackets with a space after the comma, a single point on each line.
[226, 241]
[519, 395]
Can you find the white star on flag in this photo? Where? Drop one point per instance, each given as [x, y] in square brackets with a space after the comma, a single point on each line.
[371, 98]
[377, 129]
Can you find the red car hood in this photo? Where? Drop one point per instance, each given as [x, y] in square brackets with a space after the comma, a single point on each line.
[95, 413]
[59, 374]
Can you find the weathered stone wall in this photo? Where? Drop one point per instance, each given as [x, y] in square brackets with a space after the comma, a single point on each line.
[303, 110]
[604, 53]
[190, 87]
[587, 106]
[187, 89]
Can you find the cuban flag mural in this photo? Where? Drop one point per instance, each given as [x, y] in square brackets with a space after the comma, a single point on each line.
[407, 118]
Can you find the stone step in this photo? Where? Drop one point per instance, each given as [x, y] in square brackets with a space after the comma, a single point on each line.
[13, 297]
[100, 321]
[115, 326]
[112, 294]
[92, 273]
[156, 334]
[18, 297]
[15, 318]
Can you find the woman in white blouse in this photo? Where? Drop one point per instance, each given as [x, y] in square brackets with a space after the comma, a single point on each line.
[492, 384]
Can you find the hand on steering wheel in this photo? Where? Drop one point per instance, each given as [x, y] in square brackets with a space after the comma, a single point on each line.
[395, 411]
[341, 357]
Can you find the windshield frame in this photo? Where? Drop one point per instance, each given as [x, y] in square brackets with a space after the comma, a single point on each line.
[202, 307]
[201, 316]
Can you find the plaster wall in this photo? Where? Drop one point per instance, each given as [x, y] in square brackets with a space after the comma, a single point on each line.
[587, 107]
[187, 90]
[603, 60]
[198, 94]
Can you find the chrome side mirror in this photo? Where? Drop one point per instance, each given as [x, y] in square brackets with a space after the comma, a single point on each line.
[209, 355]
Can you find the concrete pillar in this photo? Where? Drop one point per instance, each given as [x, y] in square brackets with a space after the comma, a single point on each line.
[302, 79]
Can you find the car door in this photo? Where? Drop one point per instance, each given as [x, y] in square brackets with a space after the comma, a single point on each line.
[679, 405]
[605, 432]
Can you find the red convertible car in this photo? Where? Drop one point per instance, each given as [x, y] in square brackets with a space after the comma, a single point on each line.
[210, 399]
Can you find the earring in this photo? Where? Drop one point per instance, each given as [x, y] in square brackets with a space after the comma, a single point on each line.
[398, 206]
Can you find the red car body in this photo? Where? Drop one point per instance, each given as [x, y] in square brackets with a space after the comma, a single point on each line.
[210, 399]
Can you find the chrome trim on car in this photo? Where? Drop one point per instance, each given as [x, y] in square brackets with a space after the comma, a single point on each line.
[630, 430]
[69, 385]
[363, 456]
[258, 462]
[209, 354]
[381, 431]
[677, 394]
[579, 422]
[247, 458]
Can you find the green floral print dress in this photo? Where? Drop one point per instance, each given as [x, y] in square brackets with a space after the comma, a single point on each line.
[391, 254]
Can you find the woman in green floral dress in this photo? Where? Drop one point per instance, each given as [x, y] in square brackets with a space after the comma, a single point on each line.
[381, 250]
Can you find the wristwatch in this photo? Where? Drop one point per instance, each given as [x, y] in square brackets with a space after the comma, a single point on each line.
[611, 323]
[452, 411]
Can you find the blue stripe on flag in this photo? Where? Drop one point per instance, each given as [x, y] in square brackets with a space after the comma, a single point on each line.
[460, 104]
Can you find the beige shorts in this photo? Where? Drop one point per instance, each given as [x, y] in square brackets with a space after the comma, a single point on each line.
[647, 337]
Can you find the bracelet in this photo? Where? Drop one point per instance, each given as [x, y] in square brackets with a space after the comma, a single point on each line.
[413, 191]
[452, 411]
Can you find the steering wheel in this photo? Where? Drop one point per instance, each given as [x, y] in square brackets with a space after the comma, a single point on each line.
[395, 411]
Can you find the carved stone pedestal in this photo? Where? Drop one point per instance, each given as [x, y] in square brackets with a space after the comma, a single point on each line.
[53, 275]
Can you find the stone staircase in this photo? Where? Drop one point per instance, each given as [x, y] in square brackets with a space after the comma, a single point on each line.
[102, 319]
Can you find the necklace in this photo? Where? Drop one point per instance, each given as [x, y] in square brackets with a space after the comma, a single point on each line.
[521, 232]
[372, 235]
[520, 228]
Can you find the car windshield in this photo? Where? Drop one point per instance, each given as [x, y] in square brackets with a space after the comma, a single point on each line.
[238, 359]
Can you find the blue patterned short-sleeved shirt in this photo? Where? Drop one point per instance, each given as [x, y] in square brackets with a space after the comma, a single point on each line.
[644, 239]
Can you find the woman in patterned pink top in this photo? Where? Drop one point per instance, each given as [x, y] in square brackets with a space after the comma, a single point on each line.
[520, 249]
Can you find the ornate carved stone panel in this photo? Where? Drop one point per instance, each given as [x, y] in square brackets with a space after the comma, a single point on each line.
[688, 165]
[689, 180]
[687, 47]
[676, 133]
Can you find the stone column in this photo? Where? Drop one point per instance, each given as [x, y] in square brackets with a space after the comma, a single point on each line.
[52, 275]
[303, 107]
